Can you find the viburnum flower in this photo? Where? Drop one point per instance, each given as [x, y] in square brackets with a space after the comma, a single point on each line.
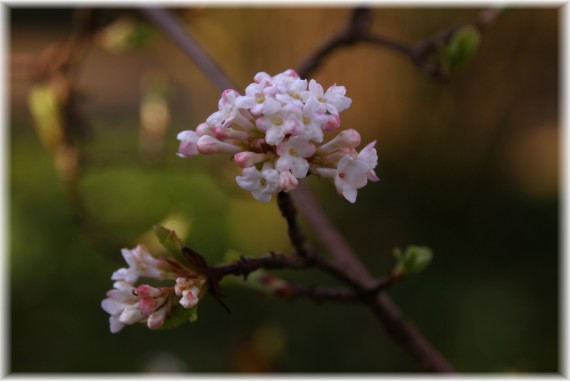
[129, 304]
[276, 133]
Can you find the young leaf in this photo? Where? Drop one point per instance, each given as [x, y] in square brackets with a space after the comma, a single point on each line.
[413, 260]
[181, 315]
[168, 239]
[462, 47]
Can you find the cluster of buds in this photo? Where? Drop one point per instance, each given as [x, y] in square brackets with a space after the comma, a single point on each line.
[130, 304]
[275, 132]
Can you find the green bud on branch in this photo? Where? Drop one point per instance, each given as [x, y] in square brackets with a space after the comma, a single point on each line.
[413, 260]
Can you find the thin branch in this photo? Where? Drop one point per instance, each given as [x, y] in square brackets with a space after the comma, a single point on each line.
[189, 46]
[245, 265]
[288, 211]
[395, 322]
[358, 29]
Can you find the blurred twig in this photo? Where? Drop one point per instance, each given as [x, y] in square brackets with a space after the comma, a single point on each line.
[190, 46]
[358, 29]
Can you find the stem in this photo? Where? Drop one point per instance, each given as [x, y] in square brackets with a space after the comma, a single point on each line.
[393, 319]
[246, 265]
[288, 211]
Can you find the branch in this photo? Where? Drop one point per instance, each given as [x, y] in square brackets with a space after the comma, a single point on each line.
[288, 211]
[395, 322]
[244, 266]
[189, 46]
[358, 29]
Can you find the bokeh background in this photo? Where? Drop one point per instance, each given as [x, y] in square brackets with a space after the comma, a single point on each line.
[469, 168]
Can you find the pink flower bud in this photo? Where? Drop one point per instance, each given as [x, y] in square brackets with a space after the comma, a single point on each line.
[229, 133]
[204, 129]
[333, 123]
[247, 158]
[187, 146]
[287, 181]
[208, 145]
[345, 139]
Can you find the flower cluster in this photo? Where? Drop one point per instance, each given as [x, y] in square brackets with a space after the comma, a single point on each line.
[275, 132]
[129, 304]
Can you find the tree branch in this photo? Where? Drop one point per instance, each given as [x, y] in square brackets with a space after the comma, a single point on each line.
[395, 322]
[245, 265]
[358, 29]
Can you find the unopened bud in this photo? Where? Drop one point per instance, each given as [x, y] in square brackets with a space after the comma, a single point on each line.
[247, 158]
[345, 139]
[208, 145]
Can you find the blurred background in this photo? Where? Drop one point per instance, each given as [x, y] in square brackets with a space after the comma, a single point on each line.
[469, 168]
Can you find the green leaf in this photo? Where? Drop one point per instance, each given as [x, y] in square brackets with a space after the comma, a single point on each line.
[413, 260]
[462, 46]
[169, 240]
[180, 315]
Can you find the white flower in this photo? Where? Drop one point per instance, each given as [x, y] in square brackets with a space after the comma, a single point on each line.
[314, 118]
[334, 99]
[292, 154]
[189, 297]
[262, 184]
[279, 120]
[142, 264]
[188, 140]
[122, 305]
[353, 173]
[370, 156]
[227, 110]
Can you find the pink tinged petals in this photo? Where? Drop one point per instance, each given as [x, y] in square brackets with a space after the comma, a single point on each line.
[188, 140]
[262, 77]
[287, 181]
[131, 315]
[189, 297]
[204, 129]
[141, 264]
[370, 156]
[247, 159]
[209, 145]
[332, 123]
[227, 109]
[229, 133]
[345, 139]
[157, 318]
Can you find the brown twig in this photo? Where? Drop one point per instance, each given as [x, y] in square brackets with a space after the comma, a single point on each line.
[288, 211]
[358, 29]
[395, 322]
[244, 266]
